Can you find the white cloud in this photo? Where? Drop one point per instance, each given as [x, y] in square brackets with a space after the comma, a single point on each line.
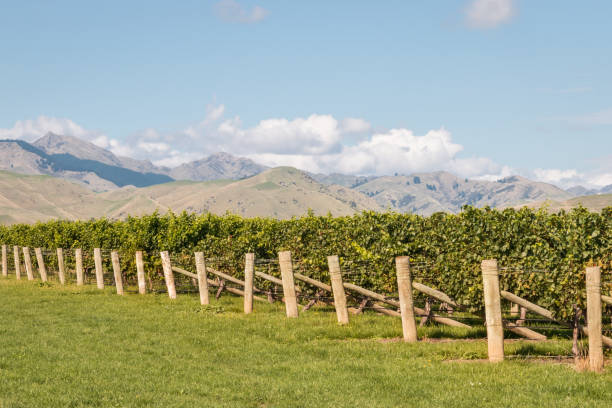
[234, 12]
[315, 135]
[31, 130]
[399, 150]
[395, 151]
[485, 14]
[114, 146]
[175, 158]
[566, 178]
[556, 175]
[355, 125]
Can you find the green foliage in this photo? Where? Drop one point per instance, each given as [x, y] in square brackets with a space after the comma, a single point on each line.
[453, 244]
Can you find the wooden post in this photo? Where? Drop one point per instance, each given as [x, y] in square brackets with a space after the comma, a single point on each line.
[99, 270]
[202, 279]
[249, 270]
[168, 275]
[4, 261]
[27, 261]
[78, 256]
[41, 264]
[17, 262]
[140, 273]
[117, 272]
[61, 269]
[593, 293]
[495, 330]
[404, 286]
[514, 310]
[338, 289]
[286, 268]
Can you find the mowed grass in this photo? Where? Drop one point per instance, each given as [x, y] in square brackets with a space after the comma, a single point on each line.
[74, 347]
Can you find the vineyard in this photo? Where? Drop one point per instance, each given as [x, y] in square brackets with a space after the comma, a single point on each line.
[547, 253]
[452, 285]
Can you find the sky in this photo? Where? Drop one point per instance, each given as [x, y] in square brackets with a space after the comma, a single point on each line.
[481, 88]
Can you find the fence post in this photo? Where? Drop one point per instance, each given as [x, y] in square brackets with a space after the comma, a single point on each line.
[337, 289]
[286, 268]
[17, 262]
[593, 293]
[78, 256]
[27, 261]
[140, 273]
[492, 298]
[515, 310]
[99, 270]
[41, 264]
[117, 272]
[249, 271]
[61, 271]
[404, 286]
[202, 279]
[4, 261]
[168, 275]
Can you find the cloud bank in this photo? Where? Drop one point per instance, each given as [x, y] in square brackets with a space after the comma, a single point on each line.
[30, 130]
[317, 143]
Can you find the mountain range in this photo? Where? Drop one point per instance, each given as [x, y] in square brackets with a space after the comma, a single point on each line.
[85, 181]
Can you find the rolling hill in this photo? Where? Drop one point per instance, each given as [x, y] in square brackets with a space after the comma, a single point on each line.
[592, 202]
[280, 193]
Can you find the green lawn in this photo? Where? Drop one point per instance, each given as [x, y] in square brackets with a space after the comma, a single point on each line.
[71, 347]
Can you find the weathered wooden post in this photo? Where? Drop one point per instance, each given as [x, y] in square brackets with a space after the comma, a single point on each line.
[99, 268]
[404, 286]
[249, 271]
[27, 261]
[42, 270]
[168, 275]
[78, 257]
[492, 299]
[61, 270]
[202, 279]
[4, 261]
[593, 293]
[117, 272]
[515, 310]
[17, 262]
[335, 276]
[140, 273]
[286, 268]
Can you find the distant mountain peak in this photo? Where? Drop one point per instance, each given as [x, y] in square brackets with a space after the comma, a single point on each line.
[52, 143]
[219, 165]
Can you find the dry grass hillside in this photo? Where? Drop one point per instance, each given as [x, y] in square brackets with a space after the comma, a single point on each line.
[592, 202]
[281, 193]
[25, 198]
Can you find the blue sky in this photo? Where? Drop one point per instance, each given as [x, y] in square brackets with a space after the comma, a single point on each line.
[482, 88]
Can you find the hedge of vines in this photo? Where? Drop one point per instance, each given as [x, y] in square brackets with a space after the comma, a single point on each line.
[553, 249]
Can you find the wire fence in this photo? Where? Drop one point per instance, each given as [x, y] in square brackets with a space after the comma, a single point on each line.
[228, 273]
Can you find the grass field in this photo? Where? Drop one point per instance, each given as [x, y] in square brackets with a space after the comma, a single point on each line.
[73, 347]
